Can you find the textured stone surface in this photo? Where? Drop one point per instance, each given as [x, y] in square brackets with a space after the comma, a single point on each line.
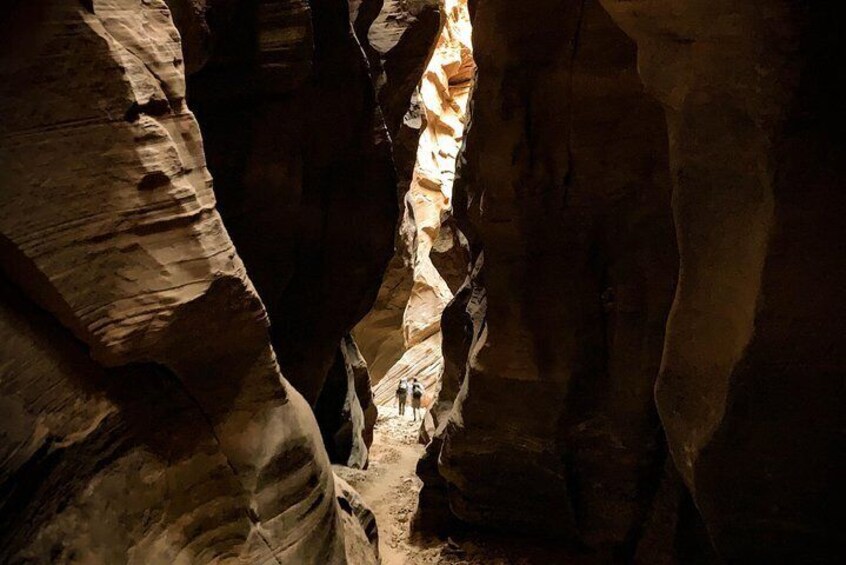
[565, 184]
[398, 38]
[143, 417]
[407, 345]
[345, 410]
[303, 170]
[422, 362]
[178, 440]
[751, 386]
[352, 503]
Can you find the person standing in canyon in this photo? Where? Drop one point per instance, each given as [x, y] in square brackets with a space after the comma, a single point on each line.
[416, 397]
[402, 395]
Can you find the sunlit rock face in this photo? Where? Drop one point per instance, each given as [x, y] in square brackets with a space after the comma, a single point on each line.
[176, 440]
[303, 170]
[564, 183]
[403, 329]
[398, 38]
[751, 387]
[444, 91]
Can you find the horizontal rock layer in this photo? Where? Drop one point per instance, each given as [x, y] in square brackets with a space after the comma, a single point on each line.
[179, 441]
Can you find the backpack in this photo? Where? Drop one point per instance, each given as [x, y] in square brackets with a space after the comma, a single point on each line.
[402, 389]
[417, 391]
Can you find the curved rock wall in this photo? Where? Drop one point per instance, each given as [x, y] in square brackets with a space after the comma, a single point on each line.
[303, 170]
[565, 184]
[398, 37]
[345, 409]
[179, 441]
[569, 165]
[751, 390]
[403, 329]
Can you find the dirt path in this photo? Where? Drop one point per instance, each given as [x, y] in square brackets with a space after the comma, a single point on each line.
[390, 487]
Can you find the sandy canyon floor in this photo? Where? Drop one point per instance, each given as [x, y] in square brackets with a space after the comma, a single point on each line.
[390, 486]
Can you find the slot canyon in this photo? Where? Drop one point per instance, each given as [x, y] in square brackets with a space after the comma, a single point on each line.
[598, 247]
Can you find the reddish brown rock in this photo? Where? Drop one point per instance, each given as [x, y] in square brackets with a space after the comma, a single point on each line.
[751, 387]
[303, 171]
[179, 441]
[566, 187]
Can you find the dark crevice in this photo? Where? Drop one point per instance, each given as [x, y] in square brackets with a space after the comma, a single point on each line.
[154, 108]
[153, 180]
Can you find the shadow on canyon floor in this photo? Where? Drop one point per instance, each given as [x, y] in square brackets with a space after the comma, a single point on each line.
[390, 487]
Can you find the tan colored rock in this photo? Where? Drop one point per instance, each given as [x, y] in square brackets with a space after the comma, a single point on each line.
[564, 183]
[423, 362]
[397, 36]
[354, 506]
[443, 91]
[414, 282]
[109, 224]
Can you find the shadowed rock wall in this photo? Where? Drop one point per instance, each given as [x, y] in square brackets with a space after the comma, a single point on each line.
[303, 169]
[177, 440]
[345, 409]
[564, 183]
[751, 386]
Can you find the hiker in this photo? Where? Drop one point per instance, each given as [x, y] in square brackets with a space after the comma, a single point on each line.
[402, 394]
[416, 397]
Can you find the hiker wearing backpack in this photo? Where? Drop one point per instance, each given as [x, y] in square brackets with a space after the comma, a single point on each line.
[416, 397]
[402, 394]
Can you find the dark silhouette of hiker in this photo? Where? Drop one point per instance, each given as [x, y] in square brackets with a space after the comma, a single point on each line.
[416, 397]
[402, 395]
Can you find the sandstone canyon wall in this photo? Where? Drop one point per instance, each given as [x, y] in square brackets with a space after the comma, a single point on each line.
[177, 440]
[294, 117]
[398, 36]
[751, 386]
[402, 331]
[303, 169]
[565, 184]
[564, 193]
[646, 359]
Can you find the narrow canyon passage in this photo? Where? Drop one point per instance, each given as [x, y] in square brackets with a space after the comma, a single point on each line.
[603, 239]
[390, 487]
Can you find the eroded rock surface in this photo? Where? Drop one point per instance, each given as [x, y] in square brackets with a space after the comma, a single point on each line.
[751, 386]
[566, 187]
[177, 440]
[565, 184]
[398, 38]
[403, 329]
[345, 409]
[303, 170]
